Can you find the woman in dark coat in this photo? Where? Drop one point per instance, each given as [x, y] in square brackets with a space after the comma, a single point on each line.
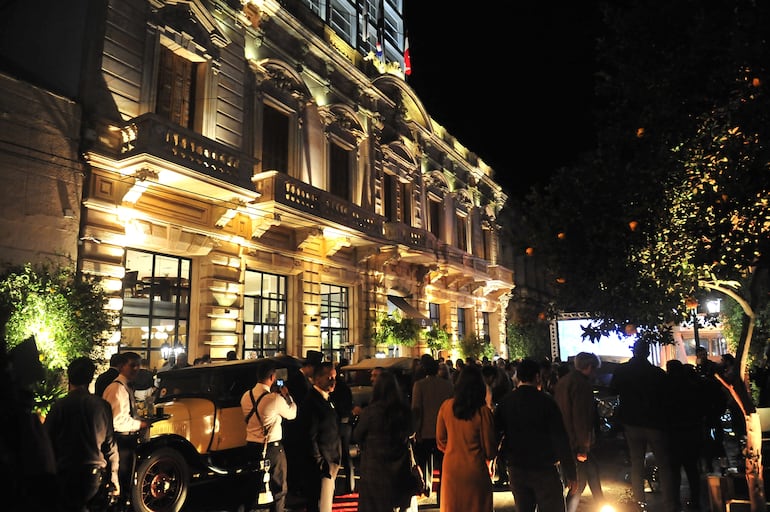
[382, 432]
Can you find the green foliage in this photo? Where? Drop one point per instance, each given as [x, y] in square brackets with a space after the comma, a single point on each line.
[473, 345]
[529, 340]
[64, 313]
[671, 200]
[396, 330]
[437, 338]
[674, 199]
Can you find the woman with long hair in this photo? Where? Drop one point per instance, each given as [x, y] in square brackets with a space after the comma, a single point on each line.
[465, 432]
[383, 431]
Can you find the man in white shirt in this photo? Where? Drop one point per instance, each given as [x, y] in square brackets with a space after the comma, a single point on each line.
[264, 412]
[120, 395]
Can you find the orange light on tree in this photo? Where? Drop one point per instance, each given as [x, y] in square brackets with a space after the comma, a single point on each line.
[541, 316]
[633, 225]
[561, 280]
[756, 82]
[639, 133]
[630, 330]
[530, 251]
[561, 235]
[691, 303]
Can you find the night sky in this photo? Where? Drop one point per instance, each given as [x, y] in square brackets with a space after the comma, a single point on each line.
[512, 83]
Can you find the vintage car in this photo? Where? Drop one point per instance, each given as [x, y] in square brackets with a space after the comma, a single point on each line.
[198, 431]
[358, 376]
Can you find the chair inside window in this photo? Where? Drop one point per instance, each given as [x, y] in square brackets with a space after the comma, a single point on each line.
[131, 284]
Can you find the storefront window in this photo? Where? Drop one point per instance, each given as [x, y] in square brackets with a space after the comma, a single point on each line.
[264, 315]
[334, 322]
[156, 305]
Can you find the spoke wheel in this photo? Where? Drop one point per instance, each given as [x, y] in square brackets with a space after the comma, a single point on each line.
[162, 482]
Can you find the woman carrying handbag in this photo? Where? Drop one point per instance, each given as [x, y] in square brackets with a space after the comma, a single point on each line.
[383, 432]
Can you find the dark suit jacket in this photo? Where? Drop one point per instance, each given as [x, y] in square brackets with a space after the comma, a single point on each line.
[318, 421]
[104, 379]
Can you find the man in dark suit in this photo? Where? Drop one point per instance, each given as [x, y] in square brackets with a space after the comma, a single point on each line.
[110, 374]
[322, 447]
[641, 387]
[80, 428]
[299, 383]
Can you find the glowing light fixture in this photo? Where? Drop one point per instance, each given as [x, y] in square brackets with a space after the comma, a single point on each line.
[136, 191]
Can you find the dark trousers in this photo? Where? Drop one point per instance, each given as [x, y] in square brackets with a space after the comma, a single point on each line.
[429, 457]
[127, 444]
[587, 473]
[686, 447]
[278, 483]
[346, 430]
[538, 489]
[77, 486]
[638, 439]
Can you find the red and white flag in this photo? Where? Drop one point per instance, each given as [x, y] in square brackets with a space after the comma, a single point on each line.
[407, 59]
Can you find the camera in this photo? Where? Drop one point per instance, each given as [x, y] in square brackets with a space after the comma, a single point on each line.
[281, 374]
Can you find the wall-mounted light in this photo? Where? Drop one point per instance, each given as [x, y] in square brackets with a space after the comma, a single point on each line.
[226, 217]
[136, 191]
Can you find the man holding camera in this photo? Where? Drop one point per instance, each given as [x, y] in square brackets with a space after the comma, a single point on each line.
[265, 406]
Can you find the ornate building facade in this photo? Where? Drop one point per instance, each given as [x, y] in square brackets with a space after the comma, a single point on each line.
[259, 177]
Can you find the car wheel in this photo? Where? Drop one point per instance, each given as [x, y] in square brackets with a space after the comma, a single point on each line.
[162, 482]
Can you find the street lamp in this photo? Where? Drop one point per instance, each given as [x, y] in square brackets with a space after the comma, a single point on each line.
[692, 305]
[713, 306]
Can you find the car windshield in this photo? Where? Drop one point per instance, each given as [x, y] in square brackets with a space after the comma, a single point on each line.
[224, 383]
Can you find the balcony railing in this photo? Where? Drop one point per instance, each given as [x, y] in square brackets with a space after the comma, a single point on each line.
[414, 238]
[153, 135]
[288, 191]
[458, 258]
[499, 273]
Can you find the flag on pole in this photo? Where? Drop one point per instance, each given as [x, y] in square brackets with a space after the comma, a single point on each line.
[380, 30]
[407, 59]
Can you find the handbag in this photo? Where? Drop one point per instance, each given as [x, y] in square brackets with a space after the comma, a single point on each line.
[265, 496]
[414, 480]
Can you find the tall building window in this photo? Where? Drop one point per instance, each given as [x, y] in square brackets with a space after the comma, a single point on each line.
[334, 322]
[264, 315]
[434, 313]
[156, 305]
[339, 175]
[486, 244]
[317, 6]
[485, 325]
[462, 232]
[176, 88]
[405, 193]
[461, 332]
[275, 140]
[342, 20]
[434, 217]
[389, 198]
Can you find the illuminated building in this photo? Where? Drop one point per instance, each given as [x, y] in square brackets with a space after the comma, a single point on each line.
[257, 178]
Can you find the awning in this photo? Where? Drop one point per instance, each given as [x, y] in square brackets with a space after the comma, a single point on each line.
[409, 310]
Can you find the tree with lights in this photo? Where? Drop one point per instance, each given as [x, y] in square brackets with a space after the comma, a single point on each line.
[64, 313]
[676, 197]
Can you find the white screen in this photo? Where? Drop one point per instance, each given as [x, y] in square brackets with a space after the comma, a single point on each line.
[571, 342]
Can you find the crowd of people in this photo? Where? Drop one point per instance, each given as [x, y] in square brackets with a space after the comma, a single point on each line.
[526, 425]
